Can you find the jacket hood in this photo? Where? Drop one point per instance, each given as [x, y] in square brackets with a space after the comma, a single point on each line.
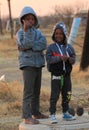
[61, 26]
[28, 10]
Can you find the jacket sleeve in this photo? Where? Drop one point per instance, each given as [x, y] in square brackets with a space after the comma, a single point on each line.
[40, 42]
[50, 58]
[25, 39]
[72, 53]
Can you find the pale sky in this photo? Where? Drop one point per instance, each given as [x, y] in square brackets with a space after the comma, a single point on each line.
[41, 7]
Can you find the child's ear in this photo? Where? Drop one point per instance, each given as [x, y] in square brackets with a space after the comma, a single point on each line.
[23, 20]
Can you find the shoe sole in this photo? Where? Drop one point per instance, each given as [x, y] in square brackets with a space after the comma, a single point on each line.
[54, 122]
[40, 117]
[69, 119]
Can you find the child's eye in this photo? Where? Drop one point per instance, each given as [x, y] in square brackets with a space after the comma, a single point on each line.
[27, 18]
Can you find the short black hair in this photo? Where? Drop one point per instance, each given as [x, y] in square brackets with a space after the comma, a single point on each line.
[25, 16]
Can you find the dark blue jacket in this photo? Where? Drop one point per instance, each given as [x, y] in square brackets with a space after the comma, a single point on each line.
[54, 62]
[54, 51]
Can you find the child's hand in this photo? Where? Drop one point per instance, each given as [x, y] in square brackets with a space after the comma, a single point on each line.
[26, 25]
[71, 59]
[21, 48]
[64, 58]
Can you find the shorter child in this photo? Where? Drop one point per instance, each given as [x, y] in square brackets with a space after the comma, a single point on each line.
[60, 57]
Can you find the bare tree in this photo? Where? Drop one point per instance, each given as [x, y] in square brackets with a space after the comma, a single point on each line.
[10, 17]
[66, 13]
[0, 21]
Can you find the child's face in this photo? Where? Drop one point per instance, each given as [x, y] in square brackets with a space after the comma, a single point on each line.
[58, 35]
[29, 19]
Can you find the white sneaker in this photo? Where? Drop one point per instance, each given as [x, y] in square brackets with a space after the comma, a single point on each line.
[53, 119]
[68, 117]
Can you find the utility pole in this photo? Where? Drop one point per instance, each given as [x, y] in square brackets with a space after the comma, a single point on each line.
[10, 17]
[0, 21]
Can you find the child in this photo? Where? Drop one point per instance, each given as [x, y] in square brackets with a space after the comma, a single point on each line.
[60, 57]
[31, 44]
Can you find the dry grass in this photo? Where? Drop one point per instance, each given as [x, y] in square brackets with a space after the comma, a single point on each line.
[10, 98]
[80, 81]
[8, 47]
[80, 77]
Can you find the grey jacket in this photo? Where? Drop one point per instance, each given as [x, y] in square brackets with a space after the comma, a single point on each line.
[34, 43]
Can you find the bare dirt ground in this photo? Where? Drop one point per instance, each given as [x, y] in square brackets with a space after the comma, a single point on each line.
[10, 68]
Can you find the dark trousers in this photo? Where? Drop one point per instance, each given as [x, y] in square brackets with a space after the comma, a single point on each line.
[56, 90]
[31, 92]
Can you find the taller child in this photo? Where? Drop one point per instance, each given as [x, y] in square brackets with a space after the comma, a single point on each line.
[31, 44]
[60, 57]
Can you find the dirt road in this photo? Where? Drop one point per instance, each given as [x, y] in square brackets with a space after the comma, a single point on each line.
[10, 68]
